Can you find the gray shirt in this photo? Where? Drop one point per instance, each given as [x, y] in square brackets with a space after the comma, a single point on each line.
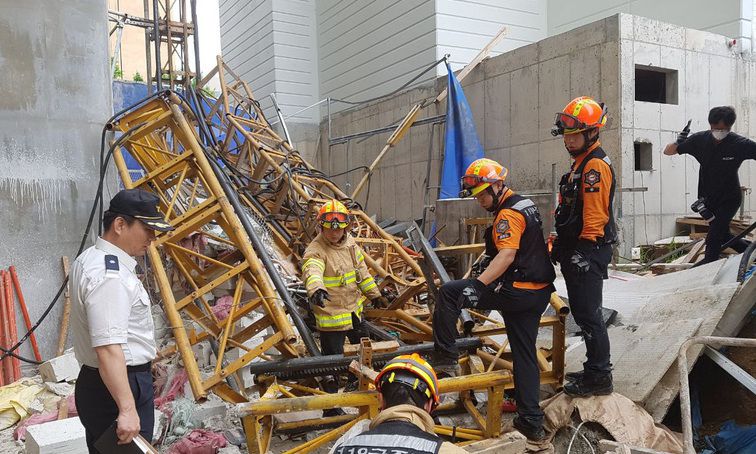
[109, 305]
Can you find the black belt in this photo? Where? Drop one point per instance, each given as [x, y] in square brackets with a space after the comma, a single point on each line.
[138, 368]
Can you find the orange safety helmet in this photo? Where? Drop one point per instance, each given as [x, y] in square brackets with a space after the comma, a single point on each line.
[413, 371]
[581, 114]
[334, 215]
[480, 175]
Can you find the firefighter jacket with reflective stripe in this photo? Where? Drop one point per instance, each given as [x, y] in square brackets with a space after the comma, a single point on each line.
[572, 214]
[402, 429]
[531, 262]
[340, 270]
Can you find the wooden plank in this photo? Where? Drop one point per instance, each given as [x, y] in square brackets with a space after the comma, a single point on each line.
[475, 61]
[509, 443]
[608, 446]
[377, 346]
[66, 310]
[461, 249]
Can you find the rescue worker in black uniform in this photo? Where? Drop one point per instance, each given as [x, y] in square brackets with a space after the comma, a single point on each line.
[720, 153]
[408, 389]
[585, 233]
[518, 281]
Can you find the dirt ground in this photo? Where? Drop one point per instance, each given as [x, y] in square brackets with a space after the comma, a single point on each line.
[722, 397]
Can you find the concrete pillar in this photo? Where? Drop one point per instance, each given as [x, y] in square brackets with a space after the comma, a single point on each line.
[56, 98]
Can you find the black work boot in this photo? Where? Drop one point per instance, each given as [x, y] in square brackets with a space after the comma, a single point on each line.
[574, 376]
[533, 431]
[445, 366]
[590, 385]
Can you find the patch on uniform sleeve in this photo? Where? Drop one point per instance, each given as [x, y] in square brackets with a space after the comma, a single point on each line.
[592, 178]
[111, 266]
[502, 230]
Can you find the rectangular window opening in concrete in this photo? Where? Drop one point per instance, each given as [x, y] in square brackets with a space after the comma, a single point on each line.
[643, 156]
[654, 84]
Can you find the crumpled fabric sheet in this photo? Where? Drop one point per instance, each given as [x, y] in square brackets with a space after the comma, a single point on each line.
[223, 307]
[175, 389]
[20, 432]
[627, 422]
[15, 400]
[199, 441]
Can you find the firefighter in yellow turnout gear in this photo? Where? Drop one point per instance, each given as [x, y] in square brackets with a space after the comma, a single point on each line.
[338, 284]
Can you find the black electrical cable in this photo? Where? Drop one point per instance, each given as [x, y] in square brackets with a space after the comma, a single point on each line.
[97, 201]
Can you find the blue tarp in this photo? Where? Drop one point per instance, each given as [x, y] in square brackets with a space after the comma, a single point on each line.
[461, 144]
[732, 439]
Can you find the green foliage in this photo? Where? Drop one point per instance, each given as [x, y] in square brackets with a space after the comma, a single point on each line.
[117, 72]
[138, 77]
[210, 91]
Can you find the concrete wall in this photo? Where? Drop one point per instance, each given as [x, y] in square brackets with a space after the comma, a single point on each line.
[709, 74]
[513, 98]
[56, 98]
[464, 27]
[717, 17]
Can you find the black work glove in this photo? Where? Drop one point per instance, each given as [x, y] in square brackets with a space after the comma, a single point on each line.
[318, 298]
[380, 302]
[683, 135]
[581, 255]
[478, 268]
[472, 293]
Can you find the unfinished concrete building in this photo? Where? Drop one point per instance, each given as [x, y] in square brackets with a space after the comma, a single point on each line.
[653, 76]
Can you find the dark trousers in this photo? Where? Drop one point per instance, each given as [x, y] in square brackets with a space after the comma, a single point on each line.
[332, 343]
[719, 231]
[585, 293]
[521, 310]
[97, 409]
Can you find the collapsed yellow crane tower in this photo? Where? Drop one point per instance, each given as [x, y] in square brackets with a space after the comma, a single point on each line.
[223, 174]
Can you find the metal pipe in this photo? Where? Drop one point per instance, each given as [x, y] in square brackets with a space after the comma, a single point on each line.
[156, 35]
[197, 70]
[281, 118]
[332, 362]
[682, 368]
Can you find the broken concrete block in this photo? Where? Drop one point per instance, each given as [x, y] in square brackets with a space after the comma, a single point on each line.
[61, 389]
[57, 437]
[160, 420]
[509, 443]
[207, 409]
[230, 449]
[62, 368]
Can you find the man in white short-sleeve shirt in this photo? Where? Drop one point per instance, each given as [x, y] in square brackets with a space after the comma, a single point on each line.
[112, 322]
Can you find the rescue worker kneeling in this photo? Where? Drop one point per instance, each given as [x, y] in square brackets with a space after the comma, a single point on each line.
[338, 283]
[518, 282]
[408, 389]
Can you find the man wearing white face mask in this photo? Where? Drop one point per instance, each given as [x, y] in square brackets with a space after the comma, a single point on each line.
[720, 153]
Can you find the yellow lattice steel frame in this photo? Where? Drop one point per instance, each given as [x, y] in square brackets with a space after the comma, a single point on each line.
[163, 139]
[162, 142]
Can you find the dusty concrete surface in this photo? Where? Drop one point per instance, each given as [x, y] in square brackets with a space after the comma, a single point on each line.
[56, 98]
